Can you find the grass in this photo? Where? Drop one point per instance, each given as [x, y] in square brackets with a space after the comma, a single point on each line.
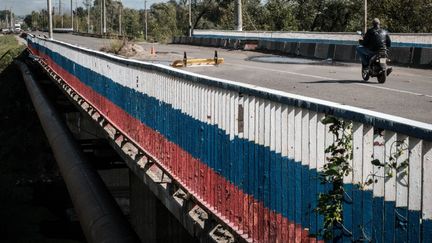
[9, 49]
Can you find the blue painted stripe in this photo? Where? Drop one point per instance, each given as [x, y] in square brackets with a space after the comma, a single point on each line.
[367, 214]
[414, 227]
[389, 221]
[305, 196]
[427, 230]
[347, 214]
[378, 219]
[401, 225]
[357, 211]
[313, 196]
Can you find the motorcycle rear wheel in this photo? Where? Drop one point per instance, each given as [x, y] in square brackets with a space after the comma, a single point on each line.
[382, 77]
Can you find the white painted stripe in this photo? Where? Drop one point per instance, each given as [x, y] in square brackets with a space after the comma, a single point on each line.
[284, 130]
[278, 128]
[427, 181]
[378, 153]
[151, 76]
[291, 131]
[390, 182]
[313, 140]
[368, 133]
[415, 170]
[298, 135]
[320, 143]
[394, 90]
[305, 138]
[402, 176]
[357, 163]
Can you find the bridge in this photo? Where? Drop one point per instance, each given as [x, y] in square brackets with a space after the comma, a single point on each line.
[233, 161]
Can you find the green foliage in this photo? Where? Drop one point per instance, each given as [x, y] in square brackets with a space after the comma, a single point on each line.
[337, 166]
[171, 18]
[9, 49]
[340, 153]
[162, 21]
[394, 164]
[402, 15]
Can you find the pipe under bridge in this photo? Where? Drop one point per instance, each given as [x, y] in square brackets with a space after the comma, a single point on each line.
[235, 162]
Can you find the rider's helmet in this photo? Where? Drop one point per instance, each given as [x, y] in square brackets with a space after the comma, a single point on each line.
[376, 22]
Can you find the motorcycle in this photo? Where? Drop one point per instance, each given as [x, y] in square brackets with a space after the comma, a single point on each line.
[378, 65]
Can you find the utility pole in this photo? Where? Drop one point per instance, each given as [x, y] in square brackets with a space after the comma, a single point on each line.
[190, 18]
[77, 19]
[7, 20]
[239, 16]
[120, 17]
[88, 16]
[365, 16]
[145, 19]
[101, 18]
[104, 17]
[11, 18]
[72, 16]
[50, 29]
[61, 14]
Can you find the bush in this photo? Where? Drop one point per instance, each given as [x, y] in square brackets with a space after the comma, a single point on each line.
[9, 49]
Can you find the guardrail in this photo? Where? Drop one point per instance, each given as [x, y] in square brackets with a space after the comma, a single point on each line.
[253, 155]
[335, 46]
[399, 39]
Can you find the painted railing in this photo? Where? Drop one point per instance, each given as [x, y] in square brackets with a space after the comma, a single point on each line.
[253, 155]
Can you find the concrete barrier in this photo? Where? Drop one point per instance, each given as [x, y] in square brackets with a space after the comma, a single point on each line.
[322, 51]
[291, 48]
[414, 56]
[426, 57]
[345, 53]
[401, 55]
[307, 50]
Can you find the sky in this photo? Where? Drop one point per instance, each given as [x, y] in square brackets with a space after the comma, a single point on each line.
[23, 7]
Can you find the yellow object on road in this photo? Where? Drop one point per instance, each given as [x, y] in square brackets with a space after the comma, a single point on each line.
[197, 61]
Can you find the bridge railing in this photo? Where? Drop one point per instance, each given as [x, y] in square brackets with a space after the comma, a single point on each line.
[254, 155]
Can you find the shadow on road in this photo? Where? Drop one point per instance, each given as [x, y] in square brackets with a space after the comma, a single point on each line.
[338, 82]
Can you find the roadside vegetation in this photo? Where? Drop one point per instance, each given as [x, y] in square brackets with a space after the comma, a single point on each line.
[9, 49]
[169, 19]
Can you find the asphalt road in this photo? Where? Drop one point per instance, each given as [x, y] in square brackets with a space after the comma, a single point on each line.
[406, 93]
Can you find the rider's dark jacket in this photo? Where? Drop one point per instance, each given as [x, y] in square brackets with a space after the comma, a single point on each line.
[376, 39]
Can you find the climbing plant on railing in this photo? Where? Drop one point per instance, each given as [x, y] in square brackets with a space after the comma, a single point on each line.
[393, 164]
[337, 166]
[339, 155]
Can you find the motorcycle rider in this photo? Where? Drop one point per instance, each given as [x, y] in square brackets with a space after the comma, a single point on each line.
[374, 40]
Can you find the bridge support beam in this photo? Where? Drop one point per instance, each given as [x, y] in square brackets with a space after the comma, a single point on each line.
[150, 218]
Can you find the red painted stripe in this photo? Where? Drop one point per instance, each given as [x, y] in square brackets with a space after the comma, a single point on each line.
[261, 224]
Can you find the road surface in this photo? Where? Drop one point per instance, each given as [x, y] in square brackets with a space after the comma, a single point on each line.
[407, 92]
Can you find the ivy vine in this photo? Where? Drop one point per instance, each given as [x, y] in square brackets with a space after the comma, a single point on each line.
[397, 149]
[339, 155]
